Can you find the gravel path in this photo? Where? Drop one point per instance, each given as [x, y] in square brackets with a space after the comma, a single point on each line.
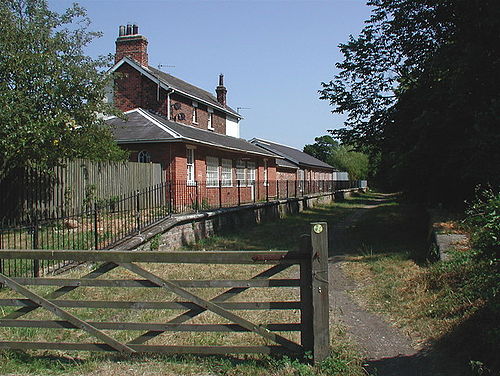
[387, 351]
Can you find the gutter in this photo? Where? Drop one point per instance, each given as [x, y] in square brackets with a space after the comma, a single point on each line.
[193, 141]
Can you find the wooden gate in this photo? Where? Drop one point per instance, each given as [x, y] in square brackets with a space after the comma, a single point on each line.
[132, 267]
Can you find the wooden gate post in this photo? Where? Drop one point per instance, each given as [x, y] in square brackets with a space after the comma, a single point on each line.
[319, 292]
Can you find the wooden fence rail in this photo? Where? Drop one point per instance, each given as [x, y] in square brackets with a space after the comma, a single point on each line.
[132, 268]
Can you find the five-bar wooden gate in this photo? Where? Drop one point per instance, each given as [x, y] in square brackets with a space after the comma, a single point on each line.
[313, 303]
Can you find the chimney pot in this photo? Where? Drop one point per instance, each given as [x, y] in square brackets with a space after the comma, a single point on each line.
[135, 29]
[121, 32]
[221, 91]
[129, 29]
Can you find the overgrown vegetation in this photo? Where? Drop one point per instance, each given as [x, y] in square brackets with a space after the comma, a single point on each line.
[483, 217]
[451, 306]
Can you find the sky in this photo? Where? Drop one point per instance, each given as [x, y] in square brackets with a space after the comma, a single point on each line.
[274, 54]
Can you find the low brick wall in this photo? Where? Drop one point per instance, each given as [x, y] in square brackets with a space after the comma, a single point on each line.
[184, 229]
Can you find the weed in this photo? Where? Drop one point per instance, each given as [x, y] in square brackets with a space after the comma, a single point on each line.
[154, 244]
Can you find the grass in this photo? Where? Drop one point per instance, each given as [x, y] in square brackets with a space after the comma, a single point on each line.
[449, 307]
[284, 234]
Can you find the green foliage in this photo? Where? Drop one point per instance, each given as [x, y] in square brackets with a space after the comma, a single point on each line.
[484, 220]
[420, 88]
[154, 244]
[343, 158]
[50, 92]
[462, 282]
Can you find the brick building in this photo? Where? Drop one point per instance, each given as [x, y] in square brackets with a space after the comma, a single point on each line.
[308, 172]
[191, 132]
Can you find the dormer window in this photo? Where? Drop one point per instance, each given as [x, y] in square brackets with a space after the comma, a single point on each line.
[195, 112]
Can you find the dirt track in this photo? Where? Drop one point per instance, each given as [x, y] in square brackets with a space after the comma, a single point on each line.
[387, 351]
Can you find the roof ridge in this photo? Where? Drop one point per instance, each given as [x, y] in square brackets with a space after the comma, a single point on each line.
[225, 107]
[180, 79]
[276, 143]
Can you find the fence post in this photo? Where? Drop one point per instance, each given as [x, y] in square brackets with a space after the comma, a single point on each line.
[96, 234]
[319, 292]
[196, 202]
[220, 193]
[170, 198]
[138, 210]
[36, 263]
[239, 196]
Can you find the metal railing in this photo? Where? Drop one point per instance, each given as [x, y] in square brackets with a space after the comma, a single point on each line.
[102, 223]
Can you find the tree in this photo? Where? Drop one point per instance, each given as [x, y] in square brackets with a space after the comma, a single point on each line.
[420, 87]
[51, 94]
[342, 157]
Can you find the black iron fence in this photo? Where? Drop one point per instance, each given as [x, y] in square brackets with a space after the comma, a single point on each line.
[100, 223]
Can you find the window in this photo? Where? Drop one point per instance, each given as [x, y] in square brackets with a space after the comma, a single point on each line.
[227, 173]
[300, 175]
[240, 172]
[195, 115]
[265, 172]
[212, 172]
[210, 118]
[210, 121]
[143, 157]
[250, 173]
[190, 165]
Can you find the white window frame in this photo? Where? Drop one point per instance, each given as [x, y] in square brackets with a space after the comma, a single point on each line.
[226, 172]
[212, 171]
[195, 115]
[210, 122]
[190, 166]
[144, 157]
[266, 177]
[251, 168]
[241, 172]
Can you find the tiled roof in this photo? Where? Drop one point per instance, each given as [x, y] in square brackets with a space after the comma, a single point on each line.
[169, 81]
[282, 162]
[142, 126]
[187, 88]
[291, 154]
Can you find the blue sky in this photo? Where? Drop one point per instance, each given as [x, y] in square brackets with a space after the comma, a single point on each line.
[273, 54]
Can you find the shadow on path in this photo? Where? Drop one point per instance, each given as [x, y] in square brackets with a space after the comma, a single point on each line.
[387, 351]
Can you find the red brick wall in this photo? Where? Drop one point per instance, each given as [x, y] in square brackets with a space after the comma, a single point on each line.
[173, 157]
[286, 174]
[132, 90]
[185, 106]
[135, 46]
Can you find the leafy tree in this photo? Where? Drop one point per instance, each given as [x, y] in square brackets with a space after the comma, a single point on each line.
[342, 157]
[50, 92]
[322, 148]
[420, 87]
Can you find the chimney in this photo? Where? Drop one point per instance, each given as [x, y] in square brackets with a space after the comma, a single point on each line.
[221, 91]
[130, 43]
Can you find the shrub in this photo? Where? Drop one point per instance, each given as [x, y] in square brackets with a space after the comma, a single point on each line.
[483, 218]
